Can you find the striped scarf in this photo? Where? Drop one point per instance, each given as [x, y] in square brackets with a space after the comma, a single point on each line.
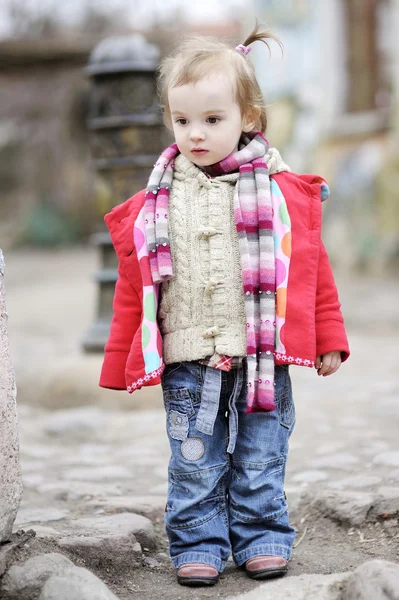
[253, 218]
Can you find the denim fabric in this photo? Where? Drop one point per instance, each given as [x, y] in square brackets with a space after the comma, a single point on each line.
[210, 403]
[226, 488]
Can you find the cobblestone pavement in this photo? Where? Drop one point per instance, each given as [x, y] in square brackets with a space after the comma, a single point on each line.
[92, 459]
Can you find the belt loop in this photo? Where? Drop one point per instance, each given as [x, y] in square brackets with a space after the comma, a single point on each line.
[210, 398]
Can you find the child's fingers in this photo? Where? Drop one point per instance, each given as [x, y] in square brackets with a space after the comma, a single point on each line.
[334, 366]
[325, 365]
[328, 363]
[338, 363]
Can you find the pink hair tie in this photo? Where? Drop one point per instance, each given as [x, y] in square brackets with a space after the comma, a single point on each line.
[243, 49]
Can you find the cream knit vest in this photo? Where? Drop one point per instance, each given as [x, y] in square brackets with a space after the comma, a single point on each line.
[202, 308]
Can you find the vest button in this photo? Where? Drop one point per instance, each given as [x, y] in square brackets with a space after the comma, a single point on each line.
[206, 232]
[211, 332]
[210, 287]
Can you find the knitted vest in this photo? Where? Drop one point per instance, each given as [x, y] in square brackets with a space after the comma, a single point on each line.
[202, 307]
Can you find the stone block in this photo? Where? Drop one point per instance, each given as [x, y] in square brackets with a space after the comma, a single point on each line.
[76, 422]
[303, 587]
[387, 459]
[125, 524]
[24, 582]
[348, 507]
[10, 469]
[106, 551]
[76, 584]
[387, 503]
[373, 580]
[146, 506]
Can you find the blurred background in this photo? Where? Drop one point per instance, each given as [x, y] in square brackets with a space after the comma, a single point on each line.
[80, 128]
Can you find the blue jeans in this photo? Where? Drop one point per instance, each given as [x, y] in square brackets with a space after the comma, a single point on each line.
[225, 486]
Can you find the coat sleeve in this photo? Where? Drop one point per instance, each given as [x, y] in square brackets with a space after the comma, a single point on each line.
[330, 330]
[125, 322]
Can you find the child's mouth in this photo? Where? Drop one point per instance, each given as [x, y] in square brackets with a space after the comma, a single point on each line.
[199, 152]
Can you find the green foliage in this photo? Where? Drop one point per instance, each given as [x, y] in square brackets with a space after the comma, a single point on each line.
[46, 227]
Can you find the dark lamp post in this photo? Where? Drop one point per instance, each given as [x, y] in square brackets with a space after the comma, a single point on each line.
[126, 137]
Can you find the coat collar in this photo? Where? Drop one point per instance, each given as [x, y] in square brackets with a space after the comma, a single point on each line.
[120, 222]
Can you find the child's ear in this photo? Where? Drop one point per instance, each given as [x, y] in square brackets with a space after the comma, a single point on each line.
[250, 118]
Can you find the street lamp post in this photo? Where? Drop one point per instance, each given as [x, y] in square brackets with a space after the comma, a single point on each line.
[126, 138]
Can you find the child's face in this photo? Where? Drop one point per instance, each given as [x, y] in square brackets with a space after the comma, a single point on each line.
[205, 117]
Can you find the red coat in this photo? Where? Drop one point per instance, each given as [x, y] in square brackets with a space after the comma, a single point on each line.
[313, 323]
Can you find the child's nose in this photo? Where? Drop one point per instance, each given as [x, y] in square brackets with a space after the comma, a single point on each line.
[196, 135]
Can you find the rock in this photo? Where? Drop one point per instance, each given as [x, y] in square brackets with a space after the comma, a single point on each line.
[303, 587]
[152, 563]
[107, 551]
[40, 515]
[374, 447]
[393, 476]
[32, 465]
[32, 481]
[125, 524]
[39, 451]
[76, 584]
[340, 460]
[45, 532]
[160, 488]
[310, 476]
[9, 551]
[388, 459]
[387, 503]
[10, 469]
[68, 491]
[141, 505]
[390, 524]
[98, 474]
[349, 507]
[388, 492]
[24, 582]
[353, 422]
[75, 422]
[357, 482]
[373, 580]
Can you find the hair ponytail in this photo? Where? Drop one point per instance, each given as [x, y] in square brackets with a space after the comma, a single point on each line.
[262, 35]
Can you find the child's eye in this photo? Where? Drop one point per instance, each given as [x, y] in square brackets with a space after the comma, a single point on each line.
[181, 121]
[213, 120]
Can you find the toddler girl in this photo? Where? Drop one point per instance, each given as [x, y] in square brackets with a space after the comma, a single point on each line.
[223, 283]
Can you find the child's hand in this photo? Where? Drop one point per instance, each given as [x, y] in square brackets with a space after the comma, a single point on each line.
[328, 363]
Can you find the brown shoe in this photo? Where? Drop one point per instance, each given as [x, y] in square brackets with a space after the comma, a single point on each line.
[263, 567]
[197, 574]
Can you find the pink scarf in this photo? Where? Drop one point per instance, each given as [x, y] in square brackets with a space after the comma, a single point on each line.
[253, 218]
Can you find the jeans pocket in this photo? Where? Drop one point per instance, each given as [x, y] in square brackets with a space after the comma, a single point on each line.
[179, 409]
[177, 425]
[170, 369]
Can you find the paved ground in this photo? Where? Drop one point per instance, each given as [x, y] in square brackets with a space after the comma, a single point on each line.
[84, 454]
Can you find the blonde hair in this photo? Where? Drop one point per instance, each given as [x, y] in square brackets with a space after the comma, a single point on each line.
[198, 55]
